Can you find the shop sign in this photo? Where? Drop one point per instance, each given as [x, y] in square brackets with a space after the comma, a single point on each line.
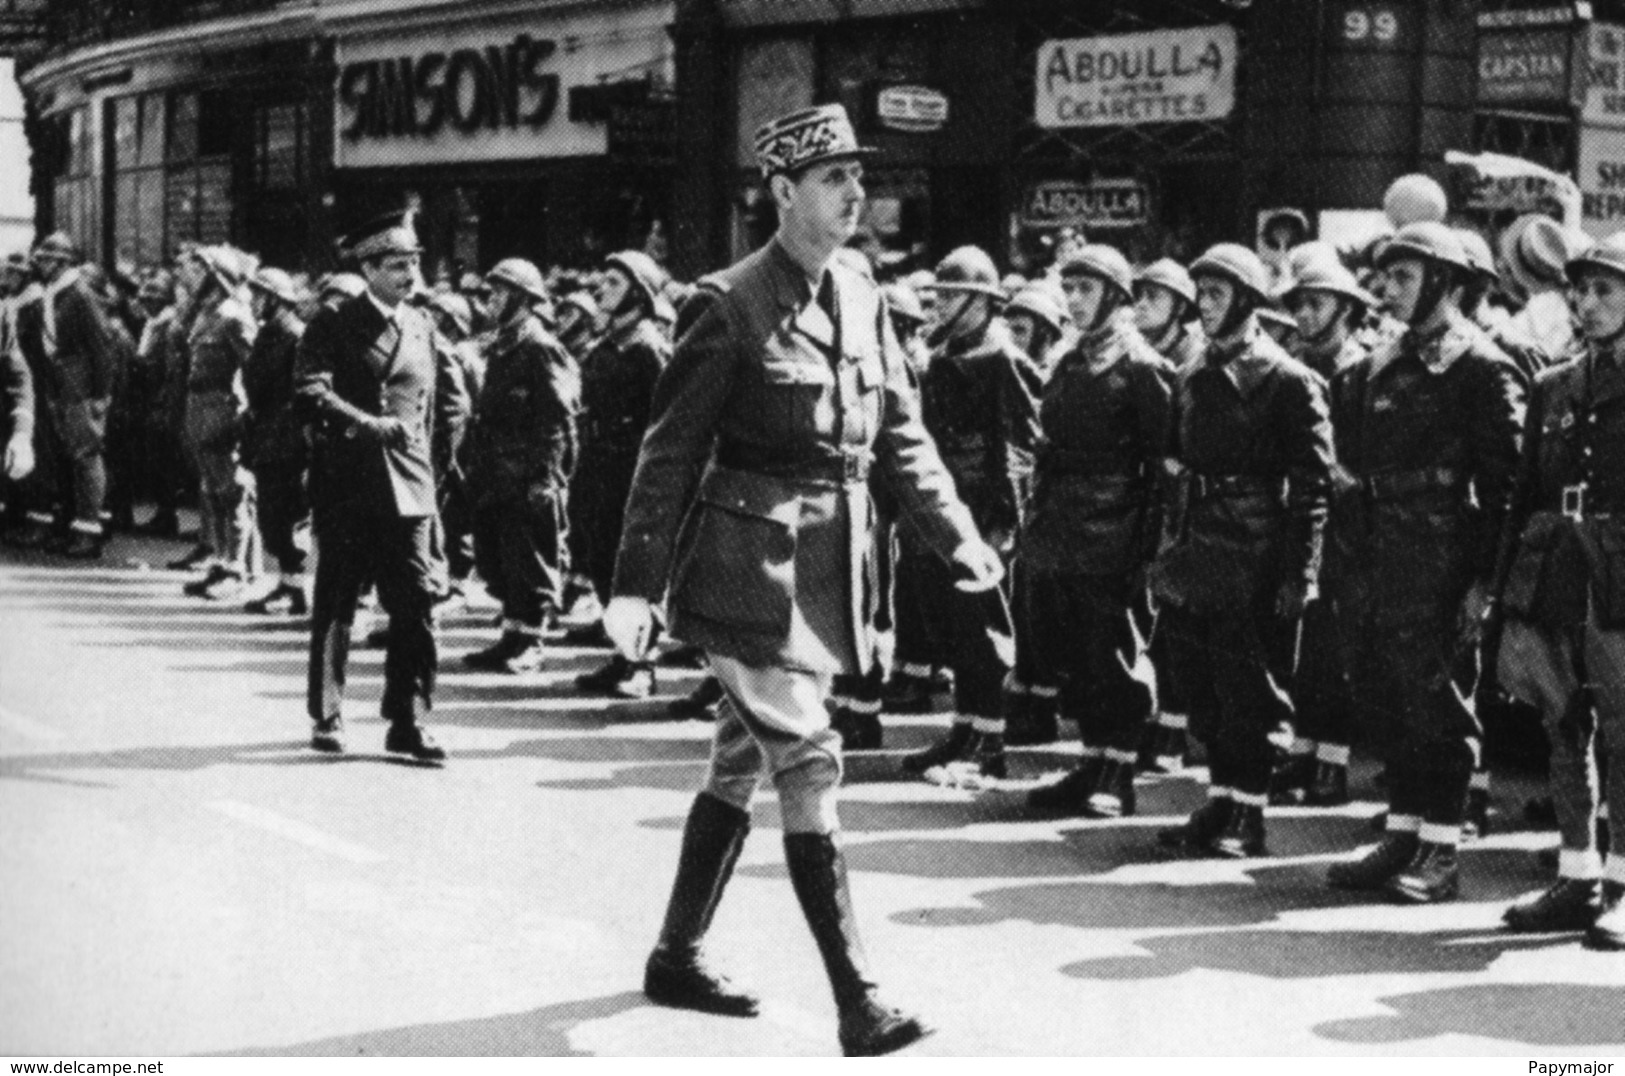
[1604, 101]
[1531, 67]
[1554, 15]
[1166, 76]
[1100, 203]
[1602, 180]
[911, 108]
[467, 89]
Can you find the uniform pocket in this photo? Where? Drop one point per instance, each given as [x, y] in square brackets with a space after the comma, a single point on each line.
[737, 563]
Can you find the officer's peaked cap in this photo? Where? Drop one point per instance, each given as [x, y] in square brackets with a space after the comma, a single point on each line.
[391, 233]
[793, 142]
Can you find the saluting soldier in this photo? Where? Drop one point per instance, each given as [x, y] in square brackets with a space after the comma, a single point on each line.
[1427, 431]
[275, 445]
[618, 383]
[1563, 643]
[1095, 522]
[1254, 449]
[366, 375]
[751, 507]
[522, 450]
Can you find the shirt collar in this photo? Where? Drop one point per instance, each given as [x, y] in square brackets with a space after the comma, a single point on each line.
[391, 314]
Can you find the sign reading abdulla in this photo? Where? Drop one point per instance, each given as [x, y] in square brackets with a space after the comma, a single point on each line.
[1165, 76]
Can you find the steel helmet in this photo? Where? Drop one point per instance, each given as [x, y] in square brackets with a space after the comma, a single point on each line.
[582, 300]
[520, 275]
[1479, 256]
[1169, 274]
[1427, 240]
[348, 285]
[1414, 198]
[57, 245]
[1042, 300]
[276, 283]
[902, 302]
[968, 269]
[1102, 261]
[646, 276]
[455, 307]
[1237, 264]
[1606, 253]
[1328, 276]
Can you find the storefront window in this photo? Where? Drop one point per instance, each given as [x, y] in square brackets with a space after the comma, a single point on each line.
[279, 147]
[138, 179]
[74, 194]
[198, 167]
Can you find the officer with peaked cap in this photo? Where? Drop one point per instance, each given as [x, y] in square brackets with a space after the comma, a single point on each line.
[750, 516]
[977, 401]
[366, 376]
[618, 383]
[1241, 552]
[1165, 311]
[1427, 436]
[522, 452]
[1562, 566]
[1107, 414]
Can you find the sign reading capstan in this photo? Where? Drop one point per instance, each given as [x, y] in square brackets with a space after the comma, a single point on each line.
[1165, 76]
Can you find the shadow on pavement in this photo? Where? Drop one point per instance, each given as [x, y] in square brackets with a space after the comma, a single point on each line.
[1542, 1014]
[543, 1032]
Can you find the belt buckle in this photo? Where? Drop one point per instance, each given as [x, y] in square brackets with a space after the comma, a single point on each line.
[1574, 501]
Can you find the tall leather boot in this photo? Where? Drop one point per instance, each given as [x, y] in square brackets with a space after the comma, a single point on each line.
[868, 1026]
[676, 974]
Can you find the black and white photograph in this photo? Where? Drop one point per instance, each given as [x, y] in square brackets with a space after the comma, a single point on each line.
[801, 528]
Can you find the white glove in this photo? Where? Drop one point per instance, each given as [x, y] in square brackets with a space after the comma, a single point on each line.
[19, 463]
[629, 623]
[984, 564]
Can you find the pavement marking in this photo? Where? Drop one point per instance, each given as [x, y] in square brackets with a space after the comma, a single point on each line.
[28, 728]
[294, 830]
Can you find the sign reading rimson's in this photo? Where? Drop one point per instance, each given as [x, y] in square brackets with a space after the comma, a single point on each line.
[1165, 76]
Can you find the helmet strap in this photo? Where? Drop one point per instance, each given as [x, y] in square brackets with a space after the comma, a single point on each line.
[1111, 301]
[1437, 279]
[1242, 305]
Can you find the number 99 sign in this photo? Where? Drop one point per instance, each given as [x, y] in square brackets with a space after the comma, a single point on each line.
[1379, 25]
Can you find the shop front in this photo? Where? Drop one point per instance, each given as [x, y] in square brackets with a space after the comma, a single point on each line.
[543, 136]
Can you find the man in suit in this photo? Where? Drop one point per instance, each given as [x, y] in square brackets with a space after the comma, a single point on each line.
[274, 444]
[750, 504]
[366, 375]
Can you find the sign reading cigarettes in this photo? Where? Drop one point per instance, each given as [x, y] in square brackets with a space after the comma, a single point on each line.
[1166, 76]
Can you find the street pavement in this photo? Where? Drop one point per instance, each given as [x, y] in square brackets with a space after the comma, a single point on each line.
[179, 874]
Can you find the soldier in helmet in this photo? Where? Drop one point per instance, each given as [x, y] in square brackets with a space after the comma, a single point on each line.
[1328, 304]
[978, 406]
[275, 446]
[750, 516]
[579, 317]
[366, 376]
[1563, 602]
[1093, 529]
[618, 382]
[461, 377]
[1238, 564]
[522, 451]
[1427, 431]
[1165, 311]
[909, 322]
[218, 344]
[1037, 317]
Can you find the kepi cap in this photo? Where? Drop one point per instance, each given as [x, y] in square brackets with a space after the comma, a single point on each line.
[791, 143]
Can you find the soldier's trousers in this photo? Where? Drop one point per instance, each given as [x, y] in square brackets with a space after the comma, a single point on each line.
[1233, 668]
[918, 645]
[1409, 698]
[598, 495]
[774, 722]
[281, 506]
[520, 552]
[972, 632]
[1084, 634]
[80, 431]
[225, 505]
[457, 527]
[358, 547]
[1320, 690]
[1548, 668]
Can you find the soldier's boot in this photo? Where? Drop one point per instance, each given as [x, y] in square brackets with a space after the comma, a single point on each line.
[1373, 870]
[1477, 822]
[1164, 747]
[1070, 795]
[1035, 722]
[951, 748]
[1113, 794]
[199, 588]
[1571, 904]
[1243, 833]
[868, 1026]
[1199, 830]
[620, 677]
[286, 598]
[700, 704]
[229, 585]
[676, 974]
[907, 693]
[85, 545]
[1291, 778]
[1608, 932]
[859, 729]
[1330, 786]
[511, 646]
[988, 755]
[1431, 877]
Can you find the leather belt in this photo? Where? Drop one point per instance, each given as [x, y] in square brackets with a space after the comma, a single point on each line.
[1062, 461]
[844, 468]
[1205, 486]
[1394, 485]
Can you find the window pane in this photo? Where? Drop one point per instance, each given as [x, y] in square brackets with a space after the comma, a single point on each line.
[150, 207]
[215, 124]
[152, 129]
[183, 127]
[126, 132]
[214, 202]
[278, 147]
[126, 218]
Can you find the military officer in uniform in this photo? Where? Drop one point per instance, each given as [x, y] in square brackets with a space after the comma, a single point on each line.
[1239, 561]
[1427, 431]
[618, 382]
[1092, 531]
[1563, 600]
[275, 447]
[522, 451]
[366, 377]
[750, 516]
